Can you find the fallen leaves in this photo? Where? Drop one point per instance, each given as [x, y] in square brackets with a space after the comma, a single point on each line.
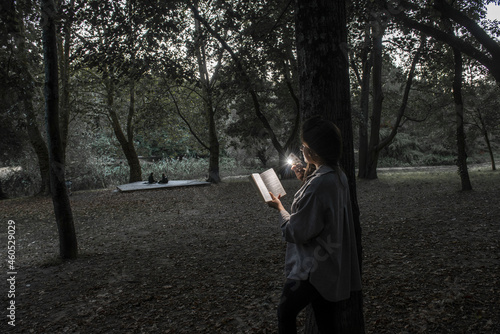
[210, 260]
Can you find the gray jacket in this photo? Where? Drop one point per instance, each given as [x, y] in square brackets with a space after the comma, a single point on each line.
[321, 243]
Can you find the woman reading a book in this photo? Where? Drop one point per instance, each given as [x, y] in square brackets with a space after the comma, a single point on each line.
[321, 262]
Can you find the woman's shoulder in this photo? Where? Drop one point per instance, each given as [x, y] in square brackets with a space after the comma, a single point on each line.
[334, 177]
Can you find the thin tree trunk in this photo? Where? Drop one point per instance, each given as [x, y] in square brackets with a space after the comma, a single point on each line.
[62, 208]
[213, 168]
[246, 81]
[35, 137]
[378, 98]
[459, 111]
[64, 53]
[321, 33]
[126, 141]
[132, 157]
[376, 145]
[206, 84]
[38, 144]
[367, 61]
[484, 131]
[2, 194]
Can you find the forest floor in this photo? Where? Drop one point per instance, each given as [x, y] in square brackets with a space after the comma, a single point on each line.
[210, 259]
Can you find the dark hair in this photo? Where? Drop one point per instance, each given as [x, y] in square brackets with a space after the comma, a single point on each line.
[324, 138]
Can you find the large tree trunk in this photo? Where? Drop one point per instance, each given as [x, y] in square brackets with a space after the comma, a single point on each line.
[62, 208]
[321, 30]
[459, 111]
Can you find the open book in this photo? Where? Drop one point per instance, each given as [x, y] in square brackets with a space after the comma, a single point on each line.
[266, 182]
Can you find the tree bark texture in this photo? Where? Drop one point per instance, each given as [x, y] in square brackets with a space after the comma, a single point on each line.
[459, 112]
[321, 37]
[62, 207]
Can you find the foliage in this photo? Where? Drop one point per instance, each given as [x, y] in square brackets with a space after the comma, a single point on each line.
[414, 150]
[155, 46]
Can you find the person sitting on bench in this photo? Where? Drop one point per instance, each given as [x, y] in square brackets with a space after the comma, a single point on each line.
[164, 179]
[151, 179]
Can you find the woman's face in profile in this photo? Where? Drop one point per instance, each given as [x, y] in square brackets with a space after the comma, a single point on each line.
[306, 152]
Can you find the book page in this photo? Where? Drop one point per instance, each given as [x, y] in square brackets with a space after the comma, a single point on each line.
[260, 186]
[273, 183]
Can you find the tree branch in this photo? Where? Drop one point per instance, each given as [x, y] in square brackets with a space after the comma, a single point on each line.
[186, 121]
[244, 76]
[406, 95]
[453, 41]
[481, 36]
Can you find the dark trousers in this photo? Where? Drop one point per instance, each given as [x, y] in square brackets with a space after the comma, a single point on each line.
[295, 297]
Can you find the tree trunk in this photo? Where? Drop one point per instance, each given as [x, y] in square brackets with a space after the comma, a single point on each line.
[484, 131]
[367, 62]
[369, 171]
[213, 168]
[321, 33]
[2, 194]
[247, 83]
[131, 154]
[378, 98]
[64, 54]
[126, 142]
[35, 137]
[38, 144]
[459, 110]
[62, 208]
[206, 84]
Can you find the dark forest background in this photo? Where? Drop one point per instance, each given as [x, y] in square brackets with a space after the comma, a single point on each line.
[99, 93]
[151, 87]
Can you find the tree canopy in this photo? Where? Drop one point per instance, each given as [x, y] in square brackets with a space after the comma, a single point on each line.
[142, 79]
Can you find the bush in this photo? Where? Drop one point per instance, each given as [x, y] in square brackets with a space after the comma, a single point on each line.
[21, 177]
[406, 150]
